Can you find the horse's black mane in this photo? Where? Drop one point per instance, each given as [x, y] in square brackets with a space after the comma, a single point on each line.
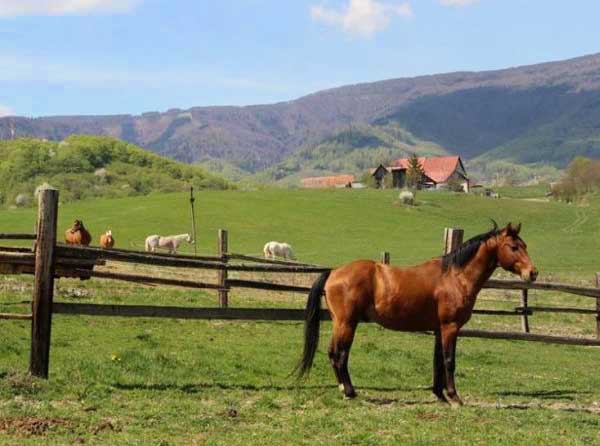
[466, 251]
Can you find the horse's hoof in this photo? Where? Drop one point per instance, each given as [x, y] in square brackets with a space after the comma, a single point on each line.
[350, 395]
[341, 387]
[440, 397]
[455, 402]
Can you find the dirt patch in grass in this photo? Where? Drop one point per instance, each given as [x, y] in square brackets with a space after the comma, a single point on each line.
[30, 426]
[428, 416]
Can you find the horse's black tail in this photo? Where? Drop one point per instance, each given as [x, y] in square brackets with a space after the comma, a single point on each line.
[311, 325]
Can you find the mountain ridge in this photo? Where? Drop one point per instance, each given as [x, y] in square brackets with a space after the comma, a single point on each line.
[468, 112]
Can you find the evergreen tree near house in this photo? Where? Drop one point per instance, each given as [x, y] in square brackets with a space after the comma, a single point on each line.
[414, 172]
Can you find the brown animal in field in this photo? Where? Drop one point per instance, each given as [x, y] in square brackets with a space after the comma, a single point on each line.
[437, 296]
[107, 240]
[77, 234]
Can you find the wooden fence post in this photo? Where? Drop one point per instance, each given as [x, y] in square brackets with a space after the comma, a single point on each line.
[222, 274]
[525, 309]
[385, 258]
[452, 238]
[43, 288]
[598, 308]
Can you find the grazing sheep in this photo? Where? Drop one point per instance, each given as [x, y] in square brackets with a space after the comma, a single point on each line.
[407, 197]
[273, 249]
[169, 243]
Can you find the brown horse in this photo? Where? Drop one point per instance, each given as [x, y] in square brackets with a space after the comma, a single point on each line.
[437, 295]
[77, 234]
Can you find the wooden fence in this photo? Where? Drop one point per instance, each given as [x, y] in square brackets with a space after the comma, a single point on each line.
[50, 260]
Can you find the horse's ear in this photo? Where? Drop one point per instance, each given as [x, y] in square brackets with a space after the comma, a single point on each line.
[513, 230]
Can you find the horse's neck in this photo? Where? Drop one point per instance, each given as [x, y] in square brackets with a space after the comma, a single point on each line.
[180, 237]
[479, 269]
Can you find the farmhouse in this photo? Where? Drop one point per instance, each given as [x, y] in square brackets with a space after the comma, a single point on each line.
[439, 172]
[330, 181]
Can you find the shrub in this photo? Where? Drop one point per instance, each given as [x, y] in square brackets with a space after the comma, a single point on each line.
[581, 177]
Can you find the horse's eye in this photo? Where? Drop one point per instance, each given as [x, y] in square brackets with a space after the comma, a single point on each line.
[514, 248]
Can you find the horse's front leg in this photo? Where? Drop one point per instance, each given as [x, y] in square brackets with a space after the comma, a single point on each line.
[449, 335]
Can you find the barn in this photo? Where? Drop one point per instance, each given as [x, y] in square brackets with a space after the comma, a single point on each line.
[439, 171]
[329, 181]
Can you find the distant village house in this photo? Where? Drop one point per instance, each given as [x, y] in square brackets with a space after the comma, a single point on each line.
[330, 181]
[439, 172]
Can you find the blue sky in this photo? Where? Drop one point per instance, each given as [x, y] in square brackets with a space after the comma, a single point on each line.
[131, 56]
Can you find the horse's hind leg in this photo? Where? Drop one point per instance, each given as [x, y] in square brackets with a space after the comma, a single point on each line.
[439, 372]
[333, 359]
[339, 352]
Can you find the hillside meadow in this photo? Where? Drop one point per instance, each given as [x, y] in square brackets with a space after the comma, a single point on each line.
[331, 227]
[139, 381]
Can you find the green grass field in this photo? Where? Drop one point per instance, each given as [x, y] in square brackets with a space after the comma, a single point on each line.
[335, 226]
[116, 381]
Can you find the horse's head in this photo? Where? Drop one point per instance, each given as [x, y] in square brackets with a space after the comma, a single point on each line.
[512, 253]
[109, 233]
[188, 238]
[77, 225]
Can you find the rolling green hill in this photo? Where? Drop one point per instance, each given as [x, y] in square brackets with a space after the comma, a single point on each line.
[91, 166]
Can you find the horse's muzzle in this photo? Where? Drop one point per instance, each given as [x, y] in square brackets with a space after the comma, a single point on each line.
[533, 275]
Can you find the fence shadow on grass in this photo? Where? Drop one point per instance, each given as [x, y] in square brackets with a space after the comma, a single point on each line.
[545, 394]
[192, 388]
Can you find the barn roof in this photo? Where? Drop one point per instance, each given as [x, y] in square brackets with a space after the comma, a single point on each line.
[329, 181]
[438, 168]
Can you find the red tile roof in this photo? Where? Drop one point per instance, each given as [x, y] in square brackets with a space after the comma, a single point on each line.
[438, 168]
[331, 181]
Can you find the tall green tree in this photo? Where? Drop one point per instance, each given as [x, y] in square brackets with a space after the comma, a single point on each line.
[414, 172]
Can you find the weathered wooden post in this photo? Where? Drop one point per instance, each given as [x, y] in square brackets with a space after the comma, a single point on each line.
[192, 199]
[385, 258]
[598, 308]
[452, 238]
[222, 273]
[43, 287]
[525, 310]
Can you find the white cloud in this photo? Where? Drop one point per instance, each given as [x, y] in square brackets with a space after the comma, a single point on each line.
[12, 8]
[458, 2]
[363, 17]
[6, 111]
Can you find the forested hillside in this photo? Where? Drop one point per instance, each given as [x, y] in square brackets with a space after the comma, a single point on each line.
[354, 149]
[91, 166]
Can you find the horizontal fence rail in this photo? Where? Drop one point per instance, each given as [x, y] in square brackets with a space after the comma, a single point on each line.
[147, 279]
[262, 314]
[214, 263]
[233, 256]
[274, 314]
[17, 316]
[5, 236]
[560, 287]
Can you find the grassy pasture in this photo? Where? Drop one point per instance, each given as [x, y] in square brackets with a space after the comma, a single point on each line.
[332, 227]
[172, 382]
